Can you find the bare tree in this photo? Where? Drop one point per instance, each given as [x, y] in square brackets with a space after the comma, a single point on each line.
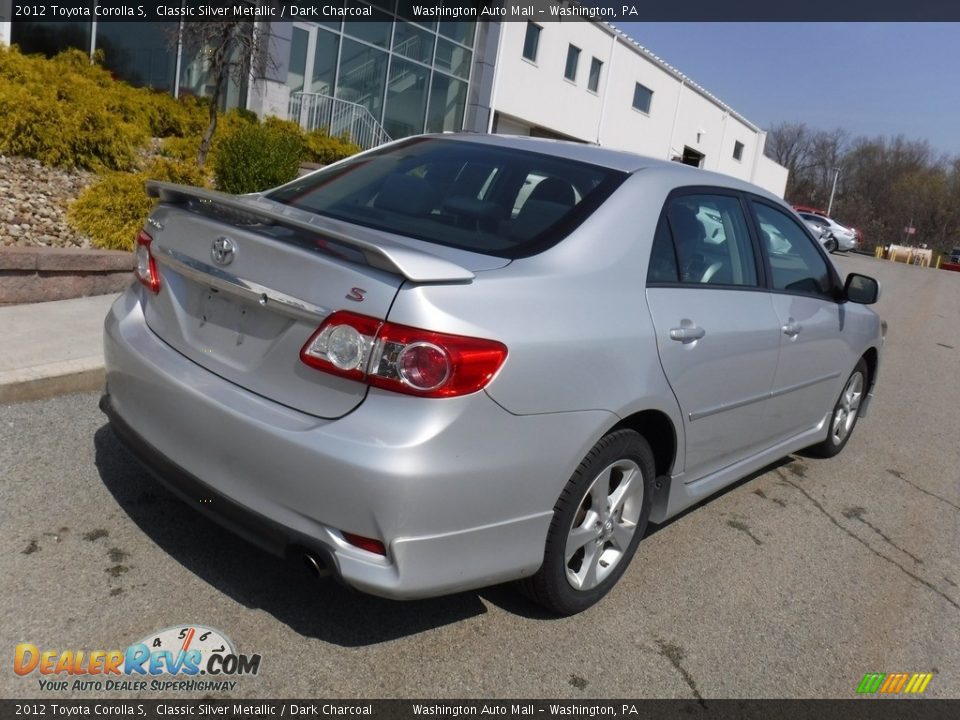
[789, 145]
[229, 51]
[885, 184]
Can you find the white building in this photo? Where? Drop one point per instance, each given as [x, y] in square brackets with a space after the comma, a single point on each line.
[589, 81]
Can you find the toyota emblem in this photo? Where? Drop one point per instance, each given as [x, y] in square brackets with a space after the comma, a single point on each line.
[223, 250]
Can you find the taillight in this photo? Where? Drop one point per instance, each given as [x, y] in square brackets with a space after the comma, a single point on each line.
[146, 267]
[401, 358]
[371, 545]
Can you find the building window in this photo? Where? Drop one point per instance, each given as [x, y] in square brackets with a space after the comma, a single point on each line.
[594, 82]
[363, 76]
[642, 96]
[406, 98]
[738, 150]
[531, 42]
[573, 59]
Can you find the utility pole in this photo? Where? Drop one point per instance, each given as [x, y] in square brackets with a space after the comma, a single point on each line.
[833, 190]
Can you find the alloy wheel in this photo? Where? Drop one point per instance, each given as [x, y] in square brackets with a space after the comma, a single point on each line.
[604, 524]
[845, 414]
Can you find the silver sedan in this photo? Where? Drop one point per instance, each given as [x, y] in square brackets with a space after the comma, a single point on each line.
[455, 361]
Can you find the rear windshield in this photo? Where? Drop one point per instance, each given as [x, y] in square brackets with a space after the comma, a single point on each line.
[471, 196]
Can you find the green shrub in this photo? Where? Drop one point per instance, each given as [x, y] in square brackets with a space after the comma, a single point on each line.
[68, 112]
[251, 158]
[187, 147]
[249, 115]
[65, 130]
[324, 149]
[113, 209]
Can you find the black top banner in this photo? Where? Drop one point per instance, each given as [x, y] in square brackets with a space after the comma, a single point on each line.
[465, 10]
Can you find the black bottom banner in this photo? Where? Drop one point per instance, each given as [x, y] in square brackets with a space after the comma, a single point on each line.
[860, 709]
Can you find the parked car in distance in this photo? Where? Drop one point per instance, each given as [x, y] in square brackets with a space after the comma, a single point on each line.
[821, 232]
[402, 371]
[837, 236]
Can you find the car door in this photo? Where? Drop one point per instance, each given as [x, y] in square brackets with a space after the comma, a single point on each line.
[717, 334]
[805, 292]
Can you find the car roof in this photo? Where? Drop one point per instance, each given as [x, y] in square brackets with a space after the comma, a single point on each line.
[675, 173]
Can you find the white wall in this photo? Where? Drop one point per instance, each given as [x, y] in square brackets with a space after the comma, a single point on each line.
[267, 97]
[538, 94]
[771, 175]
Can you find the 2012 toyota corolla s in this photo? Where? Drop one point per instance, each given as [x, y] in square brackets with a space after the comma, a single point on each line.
[455, 361]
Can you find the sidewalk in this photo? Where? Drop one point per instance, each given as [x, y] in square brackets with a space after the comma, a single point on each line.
[52, 347]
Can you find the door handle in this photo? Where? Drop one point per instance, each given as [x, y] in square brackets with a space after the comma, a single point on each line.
[687, 333]
[792, 328]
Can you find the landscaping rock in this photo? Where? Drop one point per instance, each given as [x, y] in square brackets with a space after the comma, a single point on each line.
[33, 204]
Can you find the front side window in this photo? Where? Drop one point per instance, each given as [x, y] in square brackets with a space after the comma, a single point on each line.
[711, 243]
[796, 264]
[531, 42]
[596, 66]
[573, 59]
[471, 196]
[642, 98]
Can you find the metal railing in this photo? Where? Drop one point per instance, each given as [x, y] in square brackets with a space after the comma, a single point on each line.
[338, 116]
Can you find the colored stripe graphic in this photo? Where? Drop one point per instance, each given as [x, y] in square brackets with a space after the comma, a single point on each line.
[871, 683]
[894, 683]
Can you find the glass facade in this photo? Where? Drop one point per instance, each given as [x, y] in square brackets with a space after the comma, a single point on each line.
[143, 54]
[50, 38]
[410, 74]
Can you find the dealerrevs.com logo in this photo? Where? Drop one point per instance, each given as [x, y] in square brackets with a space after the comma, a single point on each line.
[178, 659]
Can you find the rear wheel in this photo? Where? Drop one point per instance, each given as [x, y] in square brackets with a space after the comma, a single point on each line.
[845, 413]
[597, 523]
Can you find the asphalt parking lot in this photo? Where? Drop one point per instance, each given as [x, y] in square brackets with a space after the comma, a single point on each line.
[792, 583]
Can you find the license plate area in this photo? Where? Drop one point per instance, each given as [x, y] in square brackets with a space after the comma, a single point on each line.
[227, 329]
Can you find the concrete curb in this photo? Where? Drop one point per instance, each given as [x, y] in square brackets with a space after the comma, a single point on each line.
[52, 348]
[74, 380]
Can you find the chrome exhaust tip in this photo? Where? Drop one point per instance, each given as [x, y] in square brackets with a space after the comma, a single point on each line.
[316, 567]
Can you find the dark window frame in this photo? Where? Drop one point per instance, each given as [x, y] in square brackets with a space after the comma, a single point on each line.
[836, 281]
[573, 53]
[593, 81]
[649, 98]
[753, 239]
[531, 26]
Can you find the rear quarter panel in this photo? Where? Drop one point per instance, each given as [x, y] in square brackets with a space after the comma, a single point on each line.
[574, 318]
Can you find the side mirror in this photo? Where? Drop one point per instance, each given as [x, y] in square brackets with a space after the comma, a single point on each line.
[861, 289]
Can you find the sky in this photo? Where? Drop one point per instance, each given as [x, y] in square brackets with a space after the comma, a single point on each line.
[869, 78]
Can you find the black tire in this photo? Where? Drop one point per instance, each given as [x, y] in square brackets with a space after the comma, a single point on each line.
[619, 456]
[842, 420]
[831, 244]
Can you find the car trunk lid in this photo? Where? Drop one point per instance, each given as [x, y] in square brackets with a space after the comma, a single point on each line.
[245, 282]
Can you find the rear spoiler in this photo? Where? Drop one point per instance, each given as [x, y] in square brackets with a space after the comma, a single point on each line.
[380, 252]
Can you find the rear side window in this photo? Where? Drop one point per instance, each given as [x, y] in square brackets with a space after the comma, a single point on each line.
[470, 196]
[710, 243]
[795, 263]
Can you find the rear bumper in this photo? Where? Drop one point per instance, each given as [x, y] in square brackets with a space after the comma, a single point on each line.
[460, 491]
[256, 528]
